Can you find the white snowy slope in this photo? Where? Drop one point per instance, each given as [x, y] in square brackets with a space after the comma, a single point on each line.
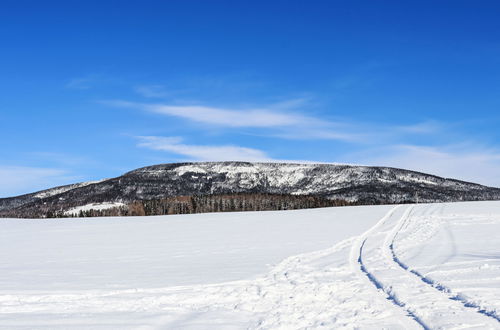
[433, 266]
[63, 189]
[93, 206]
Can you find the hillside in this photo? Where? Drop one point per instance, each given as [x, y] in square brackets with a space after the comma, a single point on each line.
[327, 184]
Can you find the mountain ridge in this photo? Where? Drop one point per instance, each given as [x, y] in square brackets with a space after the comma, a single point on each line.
[349, 183]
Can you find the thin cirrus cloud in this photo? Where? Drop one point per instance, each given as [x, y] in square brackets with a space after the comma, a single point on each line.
[426, 127]
[220, 116]
[79, 83]
[152, 91]
[175, 145]
[464, 161]
[18, 180]
[283, 121]
[85, 82]
[280, 120]
[202, 152]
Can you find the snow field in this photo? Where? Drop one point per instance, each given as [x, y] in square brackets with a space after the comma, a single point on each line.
[429, 306]
[455, 249]
[405, 267]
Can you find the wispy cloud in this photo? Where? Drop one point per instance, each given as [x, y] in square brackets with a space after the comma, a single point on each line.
[175, 145]
[84, 82]
[327, 131]
[281, 120]
[256, 117]
[20, 179]
[79, 83]
[202, 152]
[92, 81]
[152, 91]
[61, 159]
[464, 161]
[375, 143]
[285, 120]
[425, 127]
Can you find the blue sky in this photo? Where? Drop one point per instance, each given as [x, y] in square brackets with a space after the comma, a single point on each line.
[92, 89]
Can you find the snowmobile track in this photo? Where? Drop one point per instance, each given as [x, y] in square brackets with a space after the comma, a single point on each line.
[436, 285]
[429, 304]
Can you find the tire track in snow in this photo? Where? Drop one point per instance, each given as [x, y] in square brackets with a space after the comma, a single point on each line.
[436, 285]
[357, 262]
[426, 305]
[390, 295]
[306, 291]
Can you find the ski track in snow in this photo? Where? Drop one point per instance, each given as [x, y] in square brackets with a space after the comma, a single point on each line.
[356, 261]
[301, 292]
[431, 305]
[360, 283]
[438, 286]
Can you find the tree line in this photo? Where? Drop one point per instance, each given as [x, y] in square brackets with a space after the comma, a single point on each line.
[211, 203]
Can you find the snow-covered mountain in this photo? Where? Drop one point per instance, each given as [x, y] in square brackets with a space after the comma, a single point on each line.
[360, 184]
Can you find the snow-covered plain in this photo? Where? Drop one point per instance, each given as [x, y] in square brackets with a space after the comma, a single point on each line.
[371, 267]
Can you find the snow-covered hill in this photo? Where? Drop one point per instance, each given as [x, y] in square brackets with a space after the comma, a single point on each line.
[426, 266]
[365, 185]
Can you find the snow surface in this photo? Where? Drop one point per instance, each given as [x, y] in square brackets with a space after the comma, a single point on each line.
[371, 267]
[93, 206]
[63, 189]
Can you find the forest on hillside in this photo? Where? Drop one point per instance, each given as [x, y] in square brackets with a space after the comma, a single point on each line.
[209, 203]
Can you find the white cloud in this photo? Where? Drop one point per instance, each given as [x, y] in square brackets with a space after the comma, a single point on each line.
[223, 117]
[18, 180]
[152, 91]
[202, 152]
[281, 118]
[421, 128]
[230, 118]
[89, 81]
[79, 83]
[464, 161]
[324, 133]
[85, 82]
